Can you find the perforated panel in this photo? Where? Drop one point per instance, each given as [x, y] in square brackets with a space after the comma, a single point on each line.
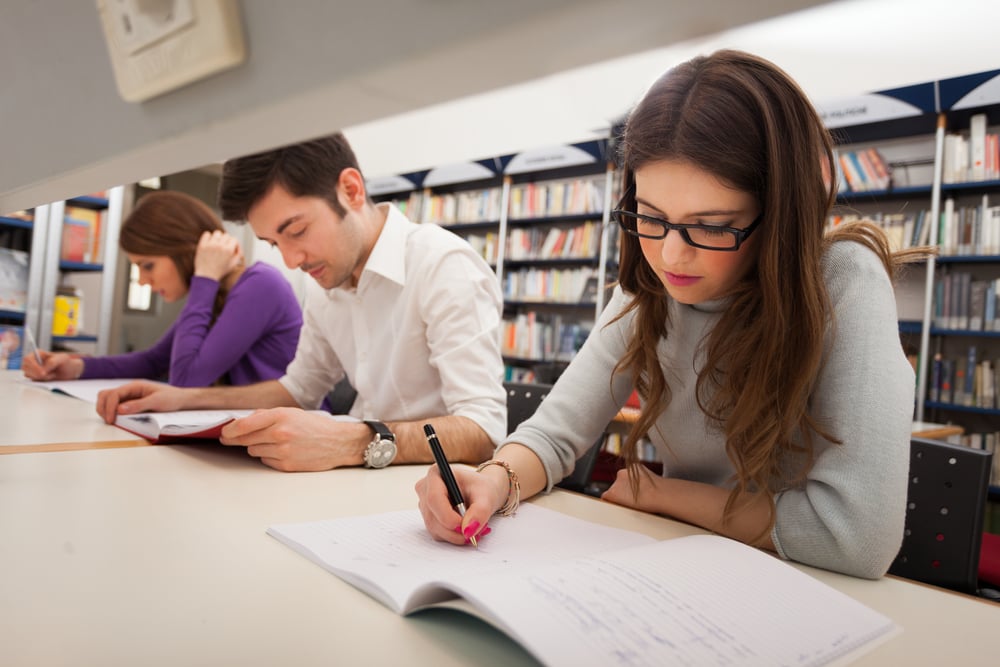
[944, 515]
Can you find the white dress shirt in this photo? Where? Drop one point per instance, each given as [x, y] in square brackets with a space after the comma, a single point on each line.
[418, 337]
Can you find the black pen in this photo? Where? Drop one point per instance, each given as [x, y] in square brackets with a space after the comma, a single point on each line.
[454, 493]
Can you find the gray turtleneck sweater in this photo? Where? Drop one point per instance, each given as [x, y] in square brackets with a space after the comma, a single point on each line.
[847, 515]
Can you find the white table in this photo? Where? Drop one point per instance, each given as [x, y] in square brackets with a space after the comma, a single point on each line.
[156, 555]
[35, 419]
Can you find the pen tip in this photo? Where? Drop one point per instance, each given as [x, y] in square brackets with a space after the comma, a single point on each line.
[474, 543]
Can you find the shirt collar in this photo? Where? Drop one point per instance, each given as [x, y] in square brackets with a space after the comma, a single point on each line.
[388, 258]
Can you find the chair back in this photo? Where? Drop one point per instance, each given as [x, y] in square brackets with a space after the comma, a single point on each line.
[522, 400]
[944, 515]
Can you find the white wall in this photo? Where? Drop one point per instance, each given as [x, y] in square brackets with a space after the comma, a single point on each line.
[833, 50]
[314, 66]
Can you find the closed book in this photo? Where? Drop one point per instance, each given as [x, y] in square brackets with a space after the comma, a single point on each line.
[935, 384]
[11, 346]
[14, 265]
[977, 147]
[969, 394]
[77, 241]
[977, 304]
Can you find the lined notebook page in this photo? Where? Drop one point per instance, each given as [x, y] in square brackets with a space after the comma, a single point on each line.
[575, 592]
[390, 556]
[698, 600]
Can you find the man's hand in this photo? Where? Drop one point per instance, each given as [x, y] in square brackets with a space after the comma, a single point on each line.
[139, 396]
[294, 440]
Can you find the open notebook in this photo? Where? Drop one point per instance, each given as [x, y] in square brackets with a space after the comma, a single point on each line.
[163, 427]
[576, 593]
[160, 427]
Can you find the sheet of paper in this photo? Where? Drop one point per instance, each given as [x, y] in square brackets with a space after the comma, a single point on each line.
[574, 592]
[191, 422]
[86, 390]
[395, 550]
[698, 600]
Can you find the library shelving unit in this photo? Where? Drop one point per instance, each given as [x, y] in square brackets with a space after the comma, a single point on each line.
[937, 141]
[18, 234]
[557, 256]
[100, 265]
[540, 219]
[464, 198]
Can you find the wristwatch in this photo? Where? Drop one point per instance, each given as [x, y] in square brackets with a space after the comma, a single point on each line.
[382, 449]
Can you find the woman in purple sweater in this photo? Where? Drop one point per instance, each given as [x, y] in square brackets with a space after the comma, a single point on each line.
[240, 324]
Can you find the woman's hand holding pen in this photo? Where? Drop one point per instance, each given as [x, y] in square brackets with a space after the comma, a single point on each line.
[218, 253]
[54, 366]
[484, 493]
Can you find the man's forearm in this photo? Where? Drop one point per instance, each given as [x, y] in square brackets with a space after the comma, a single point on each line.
[269, 394]
[461, 438]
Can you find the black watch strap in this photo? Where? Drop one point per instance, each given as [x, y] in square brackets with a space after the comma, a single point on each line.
[380, 429]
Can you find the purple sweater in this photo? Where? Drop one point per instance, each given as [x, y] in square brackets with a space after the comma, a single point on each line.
[252, 340]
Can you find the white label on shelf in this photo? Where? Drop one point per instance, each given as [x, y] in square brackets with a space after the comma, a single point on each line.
[985, 93]
[386, 184]
[869, 108]
[548, 158]
[457, 173]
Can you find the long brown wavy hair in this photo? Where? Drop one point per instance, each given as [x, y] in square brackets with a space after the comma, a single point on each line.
[744, 120]
[171, 223]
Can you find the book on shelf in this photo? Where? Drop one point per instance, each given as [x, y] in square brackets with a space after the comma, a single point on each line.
[575, 592]
[864, 170]
[13, 279]
[11, 346]
[92, 219]
[77, 241]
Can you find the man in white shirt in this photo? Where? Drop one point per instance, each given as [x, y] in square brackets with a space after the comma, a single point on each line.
[409, 313]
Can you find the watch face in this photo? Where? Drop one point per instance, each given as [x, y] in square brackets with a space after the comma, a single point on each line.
[380, 453]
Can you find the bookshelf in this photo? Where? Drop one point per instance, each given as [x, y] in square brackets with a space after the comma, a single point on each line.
[937, 194]
[85, 261]
[559, 254]
[540, 218]
[18, 234]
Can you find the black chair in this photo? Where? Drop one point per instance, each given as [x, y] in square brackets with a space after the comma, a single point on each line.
[944, 515]
[342, 397]
[522, 401]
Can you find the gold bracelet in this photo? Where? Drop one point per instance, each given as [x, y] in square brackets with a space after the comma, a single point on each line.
[513, 487]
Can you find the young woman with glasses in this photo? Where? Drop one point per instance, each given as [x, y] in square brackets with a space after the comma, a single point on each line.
[765, 353]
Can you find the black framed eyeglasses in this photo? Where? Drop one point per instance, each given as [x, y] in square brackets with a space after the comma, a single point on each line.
[707, 237]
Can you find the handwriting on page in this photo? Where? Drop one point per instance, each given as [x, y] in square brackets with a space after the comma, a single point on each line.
[607, 603]
[396, 551]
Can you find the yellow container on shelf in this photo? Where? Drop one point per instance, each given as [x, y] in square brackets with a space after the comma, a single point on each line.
[66, 315]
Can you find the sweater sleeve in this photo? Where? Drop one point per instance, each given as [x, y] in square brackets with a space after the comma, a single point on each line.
[202, 352]
[848, 514]
[584, 399]
[152, 363]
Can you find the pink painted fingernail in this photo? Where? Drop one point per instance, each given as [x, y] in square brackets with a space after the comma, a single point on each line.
[471, 529]
[486, 531]
[458, 528]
